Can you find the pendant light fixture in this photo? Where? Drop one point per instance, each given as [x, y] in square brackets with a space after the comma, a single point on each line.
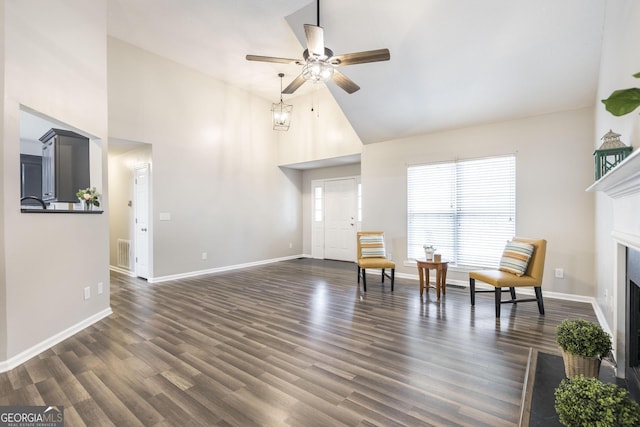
[281, 112]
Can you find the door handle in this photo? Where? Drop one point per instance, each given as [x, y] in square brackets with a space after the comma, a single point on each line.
[143, 229]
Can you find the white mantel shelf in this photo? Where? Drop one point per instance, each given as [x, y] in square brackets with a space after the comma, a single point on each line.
[621, 181]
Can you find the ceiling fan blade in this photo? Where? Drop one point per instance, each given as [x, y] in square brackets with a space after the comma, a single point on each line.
[344, 82]
[294, 85]
[315, 39]
[361, 57]
[274, 59]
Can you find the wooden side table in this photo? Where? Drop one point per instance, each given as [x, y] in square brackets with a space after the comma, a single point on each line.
[441, 276]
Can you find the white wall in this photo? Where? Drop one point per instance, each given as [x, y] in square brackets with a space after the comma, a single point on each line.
[554, 166]
[321, 133]
[49, 259]
[215, 165]
[620, 60]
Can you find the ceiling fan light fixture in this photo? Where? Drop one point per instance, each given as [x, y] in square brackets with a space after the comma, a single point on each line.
[281, 112]
[318, 61]
[317, 71]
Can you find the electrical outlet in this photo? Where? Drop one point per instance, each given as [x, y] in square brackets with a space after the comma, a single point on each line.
[87, 293]
[204, 255]
[290, 245]
[559, 273]
[100, 288]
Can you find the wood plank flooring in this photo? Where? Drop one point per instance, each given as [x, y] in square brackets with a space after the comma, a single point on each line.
[294, 343]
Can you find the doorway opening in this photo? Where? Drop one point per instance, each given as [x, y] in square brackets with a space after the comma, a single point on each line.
[337, 215]
[130, 225]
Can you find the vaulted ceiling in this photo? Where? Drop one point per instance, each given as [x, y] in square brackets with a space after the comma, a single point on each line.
[454, 63]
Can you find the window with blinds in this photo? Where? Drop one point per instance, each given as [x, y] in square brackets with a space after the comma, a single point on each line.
[465, 209]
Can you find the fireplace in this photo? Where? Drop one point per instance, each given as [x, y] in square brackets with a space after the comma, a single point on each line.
[632, 368]
[622, 185]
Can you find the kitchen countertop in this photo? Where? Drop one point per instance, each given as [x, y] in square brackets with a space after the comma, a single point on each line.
[58, 211]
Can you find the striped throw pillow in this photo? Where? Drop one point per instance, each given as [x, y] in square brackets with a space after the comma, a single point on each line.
[372, 246]
[515, 258]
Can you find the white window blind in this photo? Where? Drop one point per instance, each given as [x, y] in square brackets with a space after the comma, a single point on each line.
[465, 209]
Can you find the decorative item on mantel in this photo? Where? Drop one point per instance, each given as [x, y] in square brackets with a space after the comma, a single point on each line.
[90, 198]
[611, 152]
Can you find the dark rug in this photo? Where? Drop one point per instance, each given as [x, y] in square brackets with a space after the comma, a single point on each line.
[549, 373]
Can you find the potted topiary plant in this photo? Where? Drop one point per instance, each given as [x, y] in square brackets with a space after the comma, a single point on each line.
[585, 402]
[583, 345]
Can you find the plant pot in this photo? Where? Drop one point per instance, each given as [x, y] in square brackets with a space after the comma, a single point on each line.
[580, 365]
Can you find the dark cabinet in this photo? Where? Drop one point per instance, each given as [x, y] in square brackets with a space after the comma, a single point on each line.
[65, 165]
[30, 178]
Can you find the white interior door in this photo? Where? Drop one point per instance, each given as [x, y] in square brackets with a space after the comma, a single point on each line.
[141, 206]
[340, 203]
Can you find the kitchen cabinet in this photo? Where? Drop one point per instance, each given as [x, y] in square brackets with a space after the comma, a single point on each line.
[65, 165]
[30, 178]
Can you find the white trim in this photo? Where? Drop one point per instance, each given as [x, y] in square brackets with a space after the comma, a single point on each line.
[317, 227]
[622, 180]
[220, 269]
[626, 239]
[528, 291]
[621, 240]
[148, 235]
[122, 271]
[524, 290]
[29, 353]
[602, 319]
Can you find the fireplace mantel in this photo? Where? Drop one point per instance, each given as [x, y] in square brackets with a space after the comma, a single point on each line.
[621, 181]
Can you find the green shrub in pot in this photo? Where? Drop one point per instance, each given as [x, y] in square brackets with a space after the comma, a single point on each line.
[583, 338]
[585, 402]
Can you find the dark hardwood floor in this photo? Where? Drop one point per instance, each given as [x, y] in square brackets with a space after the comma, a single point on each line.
[291, 343]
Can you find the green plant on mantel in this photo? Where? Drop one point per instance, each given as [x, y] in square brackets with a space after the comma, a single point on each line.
[586, 402]
[623, 101]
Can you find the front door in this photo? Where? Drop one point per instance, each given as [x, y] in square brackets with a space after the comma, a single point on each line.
[341, 201]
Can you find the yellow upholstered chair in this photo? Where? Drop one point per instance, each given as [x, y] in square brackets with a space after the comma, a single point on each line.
[514, 272]
[371, 254]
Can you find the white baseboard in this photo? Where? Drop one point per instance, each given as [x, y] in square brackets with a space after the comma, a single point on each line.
[526, 291]
[61, 336]
[19, 359]
[220, 269]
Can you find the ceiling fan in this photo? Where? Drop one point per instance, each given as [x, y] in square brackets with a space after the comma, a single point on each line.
[319, 63]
